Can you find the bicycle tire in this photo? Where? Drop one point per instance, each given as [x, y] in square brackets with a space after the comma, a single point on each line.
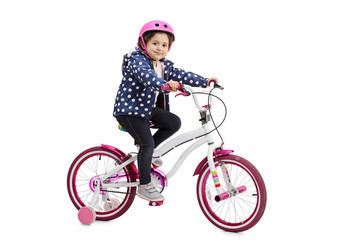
[77, 174]
[245, 215]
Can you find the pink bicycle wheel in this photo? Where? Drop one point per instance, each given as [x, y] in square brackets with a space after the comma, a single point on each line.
[239, 212]
[91, 164]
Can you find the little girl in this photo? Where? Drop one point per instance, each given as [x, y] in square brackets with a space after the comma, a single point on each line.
[140, 98]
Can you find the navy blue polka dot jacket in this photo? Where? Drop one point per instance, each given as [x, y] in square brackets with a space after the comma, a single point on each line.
[137, 91]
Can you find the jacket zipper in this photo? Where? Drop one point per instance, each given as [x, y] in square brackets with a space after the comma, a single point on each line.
[164, 95]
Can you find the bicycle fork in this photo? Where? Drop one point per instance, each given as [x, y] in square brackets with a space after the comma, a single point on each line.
[221, 193]
[96, 196]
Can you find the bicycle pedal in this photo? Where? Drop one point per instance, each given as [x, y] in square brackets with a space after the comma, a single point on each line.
[155, 166]
[156, 203]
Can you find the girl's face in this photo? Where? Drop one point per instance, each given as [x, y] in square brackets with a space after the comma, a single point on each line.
[158, 46]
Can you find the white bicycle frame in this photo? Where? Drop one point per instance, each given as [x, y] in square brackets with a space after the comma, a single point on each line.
[201, 133]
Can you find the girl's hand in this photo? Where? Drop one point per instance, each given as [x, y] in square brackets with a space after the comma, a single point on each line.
[174, 85]
[212, 79]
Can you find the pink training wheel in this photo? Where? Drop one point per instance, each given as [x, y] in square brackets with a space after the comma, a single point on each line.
[86, 215]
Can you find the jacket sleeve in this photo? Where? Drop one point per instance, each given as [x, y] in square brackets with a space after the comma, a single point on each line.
[141, 70]
[188, 78]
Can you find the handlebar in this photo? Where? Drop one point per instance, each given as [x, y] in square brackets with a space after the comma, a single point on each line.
[166, 87]
[187, 91]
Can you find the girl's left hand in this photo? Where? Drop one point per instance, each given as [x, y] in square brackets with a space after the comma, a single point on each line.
[212, 79]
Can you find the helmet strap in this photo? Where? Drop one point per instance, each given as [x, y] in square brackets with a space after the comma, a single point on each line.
[144, 45]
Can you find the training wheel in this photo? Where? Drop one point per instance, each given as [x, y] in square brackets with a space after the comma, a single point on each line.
[156, 203]
[111, 205]
[86, 215]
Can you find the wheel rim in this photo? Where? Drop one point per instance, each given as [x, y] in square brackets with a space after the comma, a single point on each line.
[235, 212]
[83, 173]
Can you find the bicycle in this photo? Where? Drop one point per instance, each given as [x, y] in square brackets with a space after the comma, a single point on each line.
[102, 181]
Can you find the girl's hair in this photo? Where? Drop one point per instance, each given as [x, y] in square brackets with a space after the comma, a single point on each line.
[148, 35]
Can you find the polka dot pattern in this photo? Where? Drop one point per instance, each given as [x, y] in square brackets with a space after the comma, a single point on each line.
[137, 90]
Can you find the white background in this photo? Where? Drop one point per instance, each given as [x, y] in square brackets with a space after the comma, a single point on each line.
[290, 71]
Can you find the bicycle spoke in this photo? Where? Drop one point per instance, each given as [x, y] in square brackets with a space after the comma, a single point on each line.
[247, 195]
[82, 184]
[108, 165]
[97, 163]
[82, 180]
[86, 196]
[227, 212]
[211, 185]
[92, 164]
[222, 205]
[86, 177]
[238, 174]
[234, 205]
[245, 201]
[90, 168]
[104, 162]
[244, 209]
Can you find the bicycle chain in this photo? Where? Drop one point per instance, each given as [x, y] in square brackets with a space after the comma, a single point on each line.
[118, 192]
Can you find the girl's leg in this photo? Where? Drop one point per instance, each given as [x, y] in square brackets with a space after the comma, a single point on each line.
[139, 129]
[167, 122]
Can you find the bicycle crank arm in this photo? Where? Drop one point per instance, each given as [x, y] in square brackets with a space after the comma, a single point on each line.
[226, 195]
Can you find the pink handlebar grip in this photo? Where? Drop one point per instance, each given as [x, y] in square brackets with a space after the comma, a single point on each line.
[166, 87]
[212, 80]
[215, 84]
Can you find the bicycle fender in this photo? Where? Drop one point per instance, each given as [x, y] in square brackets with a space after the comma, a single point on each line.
[114, 149]
[204, 162]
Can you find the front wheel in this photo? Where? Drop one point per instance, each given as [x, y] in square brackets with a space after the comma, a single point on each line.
[238, 212]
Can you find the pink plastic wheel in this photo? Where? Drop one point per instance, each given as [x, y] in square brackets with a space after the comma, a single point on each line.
[87, 215]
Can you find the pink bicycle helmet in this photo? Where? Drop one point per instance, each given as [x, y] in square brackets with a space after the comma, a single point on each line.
[156, 25]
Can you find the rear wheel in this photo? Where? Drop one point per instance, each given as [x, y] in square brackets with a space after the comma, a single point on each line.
[240, 212]
[87, 167]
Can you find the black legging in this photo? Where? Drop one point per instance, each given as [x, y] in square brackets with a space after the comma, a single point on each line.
[167, 123]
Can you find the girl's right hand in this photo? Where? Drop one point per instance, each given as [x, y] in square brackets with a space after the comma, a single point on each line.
[174, 85]
[212, 79]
